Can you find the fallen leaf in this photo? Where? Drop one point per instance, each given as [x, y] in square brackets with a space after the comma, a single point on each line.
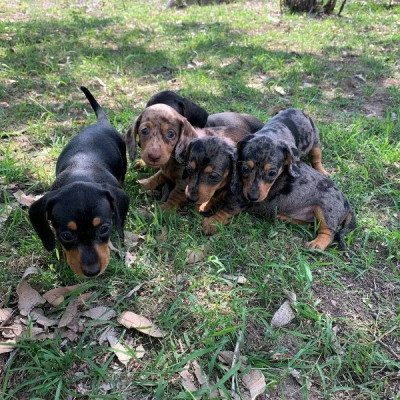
[188, 379]
[69, 314]
[140, 351]
[28, 298]
[307, 85]
[291, 296]
[241, 280]
[254, 381]
[131, 320]
[28, 272]
[122, 353]
[100, 313]
[109, 331]
[162, 237]
[280, 90]
[13, 331]
[360, 77]
[5, 212]
[226, 357]
[5, 314]
[24, 199]
[201, 377]
[38, 316]
[131, 239]
[7, 347]
[70, 335]
[129, 259]
[56, 296]
[194, 256]
[283, 316]
[4, 104]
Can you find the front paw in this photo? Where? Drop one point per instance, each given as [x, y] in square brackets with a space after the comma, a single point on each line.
[209, 226]
[167, 207]
[148, 184]
[139, 164]
[314, 244]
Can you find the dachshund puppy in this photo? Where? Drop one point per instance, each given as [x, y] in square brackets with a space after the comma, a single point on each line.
[211, 169]
[289, 135]
[164, 136]
[244, 122]
[86, 199]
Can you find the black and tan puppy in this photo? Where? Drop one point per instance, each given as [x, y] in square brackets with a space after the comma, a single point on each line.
[211, 167]
[164, 136]
[286, 138]
[86, 199]
[196, 115]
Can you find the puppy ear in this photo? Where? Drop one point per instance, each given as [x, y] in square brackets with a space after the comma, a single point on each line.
[39, 216]
[242, 143]
[291, 159]
[130, 137]
[119, 202]
[234, 177]
[195, 114]
[186, 135]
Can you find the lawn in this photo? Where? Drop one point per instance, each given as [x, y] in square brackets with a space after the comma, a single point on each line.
[344, 342]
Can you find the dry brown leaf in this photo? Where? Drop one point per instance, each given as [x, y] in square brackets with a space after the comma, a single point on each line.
[56, 296]
[254, 381]
[100, 313]
[201, 377]
[24, 199]
[188, 380]
[38, 316]
[5, 314]
[131, 320]
[7, 347]
[239, 279]
[5, 212]
[131, 239]
[140, 351]
[28, 298]
[69, 314]
[129, 258]
[13, 331]
[121, 352]
[194, 256]
[283, 316]
[28, 272]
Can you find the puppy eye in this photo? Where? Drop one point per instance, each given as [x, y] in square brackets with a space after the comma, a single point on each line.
[104, 229]
[170, 134]
[144, 131]
[245, 169]
[272, 173]
[213, 176]
[66, 236]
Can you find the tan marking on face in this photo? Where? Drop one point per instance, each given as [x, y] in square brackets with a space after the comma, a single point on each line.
[164, 127]
[103, 253]
[246, 187]
[208, 169]
[74, 260]
[147, 124]
[96, 221]
[206, 191]
[72, 226]
[250, 164]
[267, 167]
[192, 165]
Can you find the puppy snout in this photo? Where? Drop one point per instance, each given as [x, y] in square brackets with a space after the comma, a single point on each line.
[153, 157]
[91, 270]
[192, 200]
[252, 196]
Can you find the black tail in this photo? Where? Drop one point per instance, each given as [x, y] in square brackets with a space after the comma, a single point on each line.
[348, 224]
[101, 115]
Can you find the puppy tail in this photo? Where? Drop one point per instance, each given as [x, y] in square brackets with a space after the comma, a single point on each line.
[100, 114]
[348, 224]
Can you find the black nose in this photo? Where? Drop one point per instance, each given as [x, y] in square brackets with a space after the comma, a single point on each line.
[191, 200]
[253, 197]
[91, 270]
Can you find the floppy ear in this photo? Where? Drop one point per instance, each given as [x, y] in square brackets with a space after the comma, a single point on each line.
[195, 114]
[185, 137]
[119, 202]
[130, 137]
[291, 159]
[242, 143]
[189, 148]
[39, 216]
[234, 177]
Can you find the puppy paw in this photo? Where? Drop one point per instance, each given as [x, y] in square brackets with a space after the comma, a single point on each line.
[147, 184]
[314, 244]
[139, 164]
[209, 227]
[323, 171]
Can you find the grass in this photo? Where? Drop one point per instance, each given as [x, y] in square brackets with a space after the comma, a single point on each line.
[227, 57]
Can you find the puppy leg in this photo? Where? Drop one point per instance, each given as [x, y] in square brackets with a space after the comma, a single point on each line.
[325, 234]
[209, 224]
[151, 183]
[316, 158]
[176, 199]
[285, 218]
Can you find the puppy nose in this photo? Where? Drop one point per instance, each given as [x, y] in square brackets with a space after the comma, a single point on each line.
[91, 270]
[191, 200]
[253, 196]
[154, 157]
